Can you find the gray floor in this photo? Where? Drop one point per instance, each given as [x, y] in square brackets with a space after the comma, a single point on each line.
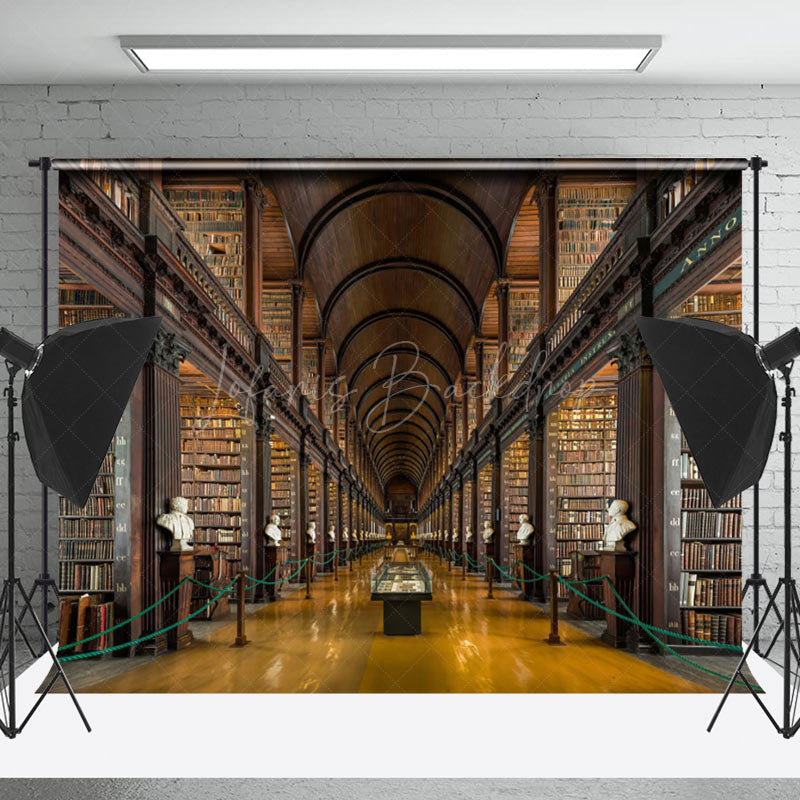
[397, 789]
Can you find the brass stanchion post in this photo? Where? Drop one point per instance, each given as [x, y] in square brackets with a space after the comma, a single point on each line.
[554, 638]
[241, 637]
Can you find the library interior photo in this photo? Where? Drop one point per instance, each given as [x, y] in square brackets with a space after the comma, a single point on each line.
[398, 431]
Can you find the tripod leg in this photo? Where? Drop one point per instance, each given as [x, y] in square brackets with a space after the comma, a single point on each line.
[61, 673]
[742, 661]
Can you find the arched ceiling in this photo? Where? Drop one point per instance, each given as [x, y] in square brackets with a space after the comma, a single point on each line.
[400, 267]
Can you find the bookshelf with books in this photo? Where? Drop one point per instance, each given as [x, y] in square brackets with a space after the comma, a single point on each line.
[586, 213]
[485, 506]
[581, 467]
[120, 187]
[515, 498]
[704, 543]
[276, 324]
[213, 463]
[90, 594]
[523, 324]
[284, 494]
[214, 224]
[491, 374]
[310, 373]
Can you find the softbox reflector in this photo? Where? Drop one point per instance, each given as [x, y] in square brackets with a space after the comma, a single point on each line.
[723, 398]
[75, 395]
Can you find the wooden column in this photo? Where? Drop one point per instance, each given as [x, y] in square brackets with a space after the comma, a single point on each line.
[639, 447]
[321, 382]
[464, 409]
[263, 499]
[254, 201]
[497, 504]
[453, 437]
[503, 287]
[297, 332]
[336, 416]
[160, 475]
[545, 197]
[325, 545]
[303, 462]
[536, 499]
[474, 511]
[478, 382]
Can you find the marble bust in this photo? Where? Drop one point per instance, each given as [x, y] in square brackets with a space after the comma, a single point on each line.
[469, 533]
[345, 534]
[332, 533]
[618, 526]
[179, 524]
[273, 531]
[525, 531]
[488, 532]
[311, 533]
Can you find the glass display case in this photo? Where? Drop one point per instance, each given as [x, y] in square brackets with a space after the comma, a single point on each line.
[401, 587]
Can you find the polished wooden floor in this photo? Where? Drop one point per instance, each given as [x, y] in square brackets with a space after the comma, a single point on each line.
[334, 643]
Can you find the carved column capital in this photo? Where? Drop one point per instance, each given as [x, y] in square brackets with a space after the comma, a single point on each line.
[631, 353]
[167, 352]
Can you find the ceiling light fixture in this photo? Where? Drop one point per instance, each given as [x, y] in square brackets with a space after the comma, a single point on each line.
[393, 54]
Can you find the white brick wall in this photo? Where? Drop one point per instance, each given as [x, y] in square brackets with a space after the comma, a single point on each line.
[399, 120]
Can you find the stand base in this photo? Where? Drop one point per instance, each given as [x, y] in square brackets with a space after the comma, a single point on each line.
[790, 628]
[9, 726]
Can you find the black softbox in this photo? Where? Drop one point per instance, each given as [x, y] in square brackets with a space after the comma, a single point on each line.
[76, 393]
[722, 394]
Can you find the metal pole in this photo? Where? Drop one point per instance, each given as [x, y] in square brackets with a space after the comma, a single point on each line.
[787, 556]
[11, 589]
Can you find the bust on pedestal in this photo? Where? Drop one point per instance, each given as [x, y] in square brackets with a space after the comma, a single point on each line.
[487, 534]
[619, 564]
[176, 565]
[525, 542]
[273, 556]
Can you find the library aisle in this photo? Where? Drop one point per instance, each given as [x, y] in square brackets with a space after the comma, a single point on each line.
[334, 643]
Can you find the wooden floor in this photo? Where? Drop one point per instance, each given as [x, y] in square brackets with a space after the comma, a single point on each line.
[334, 643]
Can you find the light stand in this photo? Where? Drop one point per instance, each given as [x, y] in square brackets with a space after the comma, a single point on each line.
[756, 580]
[10, 624]
[44, 582]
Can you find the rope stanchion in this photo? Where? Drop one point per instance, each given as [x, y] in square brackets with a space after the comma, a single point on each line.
[553, 638]
[241, 638]
[123, 645]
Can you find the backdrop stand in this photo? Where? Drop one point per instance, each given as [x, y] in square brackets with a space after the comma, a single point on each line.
[10, 624]
[756, 580]
[44, 583]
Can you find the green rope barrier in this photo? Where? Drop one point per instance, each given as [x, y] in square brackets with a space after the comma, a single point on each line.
[113, 648]
[517, 580]
[650, 629]
[266, 582]
[124, 622]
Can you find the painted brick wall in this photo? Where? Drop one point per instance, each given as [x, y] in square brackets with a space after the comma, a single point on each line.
[397, 120]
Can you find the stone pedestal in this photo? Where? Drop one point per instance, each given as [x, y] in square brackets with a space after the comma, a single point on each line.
[274, 558]
[621, 568]
[175, 566]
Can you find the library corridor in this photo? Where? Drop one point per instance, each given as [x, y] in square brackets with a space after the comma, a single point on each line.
[357, 363]
[333, 643]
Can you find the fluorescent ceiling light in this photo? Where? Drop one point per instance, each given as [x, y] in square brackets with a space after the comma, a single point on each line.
[362, 54]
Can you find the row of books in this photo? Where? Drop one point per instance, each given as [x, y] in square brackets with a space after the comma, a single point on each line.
[206, 520]
[579, 454]
[577, 516]
[210, 489]
[574, 479]
[689, 469]
[230, 504]
[95, 507]
[210, 446]
[85, 528]
[85, 577]
[699, 556]
[676, 193]
[724, 628]
[697, 497]
[696, 590]
[123, 196]
[711, 524]
[82, 618]
[588, 467]
[700, 303]
[71, 549]
[72, 316]
[582, 531]
[210, 460]
[69, 296]
[190, 474]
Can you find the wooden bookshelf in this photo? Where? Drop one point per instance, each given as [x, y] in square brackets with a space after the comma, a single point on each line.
[678, 189]
[490, 375]
[119, 187]
[87, 546]
[485, 507]
[212, 434]
[284, 493]
[581, 462]
[515, 494]
[310, 373]
[709, 569]
[586, 215]
[214, 224]
[523, 324]
[276, 323]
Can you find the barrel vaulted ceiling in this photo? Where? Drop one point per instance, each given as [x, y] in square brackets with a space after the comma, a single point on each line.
[400, 267]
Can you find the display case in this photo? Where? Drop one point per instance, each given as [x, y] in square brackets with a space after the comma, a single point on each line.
[401, 587]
